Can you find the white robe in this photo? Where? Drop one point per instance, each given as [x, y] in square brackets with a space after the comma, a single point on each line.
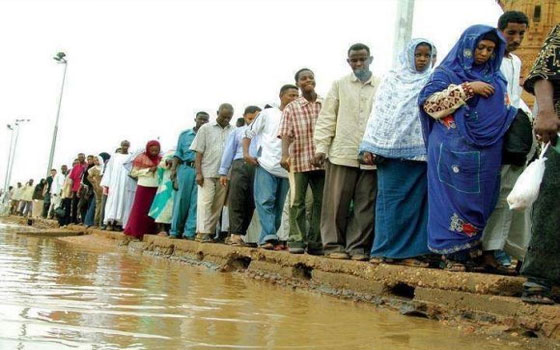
[117, 180]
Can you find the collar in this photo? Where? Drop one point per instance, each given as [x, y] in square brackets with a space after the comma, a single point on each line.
[370, 81]
[215, 123]
[302, 101]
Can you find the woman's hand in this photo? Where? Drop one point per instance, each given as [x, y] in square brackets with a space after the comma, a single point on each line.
[223, 180]
[481, 88]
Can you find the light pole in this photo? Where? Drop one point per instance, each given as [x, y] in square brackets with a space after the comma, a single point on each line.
[13, 146]
[60, 58]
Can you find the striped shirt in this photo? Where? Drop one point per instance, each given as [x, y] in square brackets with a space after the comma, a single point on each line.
[298, 123]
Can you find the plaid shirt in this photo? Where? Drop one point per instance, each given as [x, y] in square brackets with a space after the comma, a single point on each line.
[298, 123]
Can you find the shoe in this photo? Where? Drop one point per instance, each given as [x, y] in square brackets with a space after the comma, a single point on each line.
[338, 255]
[296, 250]
[315, 251]
[206, 239]
[359, 257]
[267, 246]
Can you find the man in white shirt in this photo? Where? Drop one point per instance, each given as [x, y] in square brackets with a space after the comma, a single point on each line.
[209, 146]
[508, 230]
[271, 180]
[56, 189]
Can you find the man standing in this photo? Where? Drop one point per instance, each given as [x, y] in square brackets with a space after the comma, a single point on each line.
[241, 202]
[56, 189]
[76, 177]
[16, 197]
[114, 181]
[209, 146]
[296, 131]
[47, 193]
[338, 134]
[271, 180]
[508, 229]
[542, 261]
[183, 174]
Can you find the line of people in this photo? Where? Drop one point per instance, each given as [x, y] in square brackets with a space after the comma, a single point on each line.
[413, 168]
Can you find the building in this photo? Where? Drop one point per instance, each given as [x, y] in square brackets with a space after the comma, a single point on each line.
[543, 16]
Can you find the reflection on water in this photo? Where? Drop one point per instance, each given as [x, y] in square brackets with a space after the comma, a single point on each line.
[57, 296]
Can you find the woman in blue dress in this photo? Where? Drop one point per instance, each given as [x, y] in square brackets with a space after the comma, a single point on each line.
[464, 114]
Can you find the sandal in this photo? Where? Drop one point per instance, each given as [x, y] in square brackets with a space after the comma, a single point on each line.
[453, 266]
[235, 240]
[163, 234]
[534, 293]
[412, 262]
[267, 246]
[376, 260]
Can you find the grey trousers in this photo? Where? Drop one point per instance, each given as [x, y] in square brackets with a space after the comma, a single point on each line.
[344, 229]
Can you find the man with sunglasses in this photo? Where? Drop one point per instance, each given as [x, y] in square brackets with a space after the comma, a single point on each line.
[341, 124]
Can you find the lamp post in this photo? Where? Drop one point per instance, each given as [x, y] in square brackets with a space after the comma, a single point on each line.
[61, 59]
[14, 128]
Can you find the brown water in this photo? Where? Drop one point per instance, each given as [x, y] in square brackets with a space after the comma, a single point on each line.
[54, 295]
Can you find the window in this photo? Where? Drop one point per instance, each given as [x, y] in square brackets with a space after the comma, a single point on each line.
[537, 14]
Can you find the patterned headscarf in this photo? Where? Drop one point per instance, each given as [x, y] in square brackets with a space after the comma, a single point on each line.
[394, 129]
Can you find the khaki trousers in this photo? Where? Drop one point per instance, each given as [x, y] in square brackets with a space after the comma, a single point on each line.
[211, 198]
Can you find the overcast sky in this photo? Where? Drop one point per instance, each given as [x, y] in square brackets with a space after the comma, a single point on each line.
[140, 69]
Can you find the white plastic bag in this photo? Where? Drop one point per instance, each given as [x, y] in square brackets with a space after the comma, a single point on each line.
[526, 189]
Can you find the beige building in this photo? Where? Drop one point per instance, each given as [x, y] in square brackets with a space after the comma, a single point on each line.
[543, 16]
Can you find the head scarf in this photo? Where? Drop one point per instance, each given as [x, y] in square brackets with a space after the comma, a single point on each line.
[145, 159]
[394, 129]
[483, 121]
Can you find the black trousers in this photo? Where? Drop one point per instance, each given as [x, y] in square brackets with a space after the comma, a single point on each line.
[66, 204]
[241, 203]
[75, 201]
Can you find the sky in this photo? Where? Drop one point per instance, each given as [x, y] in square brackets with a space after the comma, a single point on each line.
[140, 70]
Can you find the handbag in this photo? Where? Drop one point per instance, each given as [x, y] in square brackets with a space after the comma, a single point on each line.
[518, 140]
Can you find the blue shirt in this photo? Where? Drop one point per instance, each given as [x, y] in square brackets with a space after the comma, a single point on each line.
[233, 149]
[183, 151]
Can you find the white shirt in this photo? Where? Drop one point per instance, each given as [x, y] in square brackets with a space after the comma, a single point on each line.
[58, 182]
[269, 150]
[511, 69]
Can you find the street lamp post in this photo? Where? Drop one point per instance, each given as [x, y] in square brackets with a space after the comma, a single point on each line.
[60, 58]
[8, 165]
[13, 146]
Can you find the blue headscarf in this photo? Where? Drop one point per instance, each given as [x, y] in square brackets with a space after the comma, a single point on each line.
[482, 121]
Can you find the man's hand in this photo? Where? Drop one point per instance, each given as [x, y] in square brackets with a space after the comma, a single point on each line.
[481, 88]
[199, 179]
[173, 175]
[367, 158]
[319, 159]
[250, 160]
[223, 180]
[547, 125]
[285, 163]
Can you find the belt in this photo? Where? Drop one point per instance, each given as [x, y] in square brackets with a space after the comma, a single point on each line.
[187, 163]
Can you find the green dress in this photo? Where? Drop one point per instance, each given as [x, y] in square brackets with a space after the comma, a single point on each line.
[162, 206]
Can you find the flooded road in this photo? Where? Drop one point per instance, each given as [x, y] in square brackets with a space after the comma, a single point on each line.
[54, 295]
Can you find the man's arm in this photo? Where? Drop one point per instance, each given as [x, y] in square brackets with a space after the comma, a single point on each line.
[325, 127]
[286, 133]
[547, 123]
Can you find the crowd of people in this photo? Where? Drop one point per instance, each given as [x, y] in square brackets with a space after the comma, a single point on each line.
[412, 168]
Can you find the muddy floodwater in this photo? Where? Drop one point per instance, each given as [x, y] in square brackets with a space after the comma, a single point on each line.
[55, 295]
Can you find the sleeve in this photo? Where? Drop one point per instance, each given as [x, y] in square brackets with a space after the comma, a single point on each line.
[286, 127]
[546, 64]
[106, 180]
[256, 127]
[325, 127]
[179, 150]
[441, 104]
[199, 142]
[229, 153]
[137, 172]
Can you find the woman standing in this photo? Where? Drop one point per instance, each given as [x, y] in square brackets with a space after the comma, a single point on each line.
[162, 207]
[144, 168]
[393, 140]
[38, 199]
[464, 119]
